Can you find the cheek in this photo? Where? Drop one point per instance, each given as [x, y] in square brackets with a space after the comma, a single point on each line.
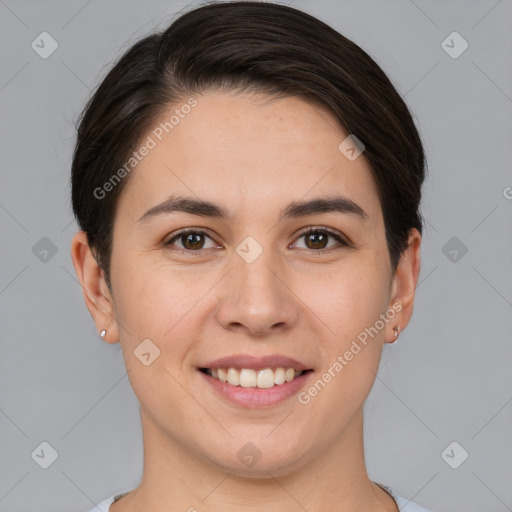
[350, 305]
[349, 300]
[163, 304]
[150, 298]
[152, 304]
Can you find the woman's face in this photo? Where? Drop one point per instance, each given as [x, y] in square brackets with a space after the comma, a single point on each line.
[250, 283]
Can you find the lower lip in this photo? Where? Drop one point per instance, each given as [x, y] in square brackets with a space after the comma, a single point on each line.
[256, 397]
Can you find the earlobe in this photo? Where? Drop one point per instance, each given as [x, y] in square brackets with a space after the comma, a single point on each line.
[94, 287]
[404, 285]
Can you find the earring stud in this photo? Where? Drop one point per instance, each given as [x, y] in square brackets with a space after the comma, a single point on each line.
[103, 332]
[396, 330]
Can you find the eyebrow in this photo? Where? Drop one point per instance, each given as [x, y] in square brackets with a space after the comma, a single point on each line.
[295, 209]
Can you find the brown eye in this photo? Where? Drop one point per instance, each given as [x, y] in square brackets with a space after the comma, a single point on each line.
[319, 239]
[316, 240]
[191, 241]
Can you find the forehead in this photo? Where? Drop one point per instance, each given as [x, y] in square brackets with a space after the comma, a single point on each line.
[250, 151]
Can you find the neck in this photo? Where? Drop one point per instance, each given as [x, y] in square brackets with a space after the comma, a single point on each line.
[176, 479]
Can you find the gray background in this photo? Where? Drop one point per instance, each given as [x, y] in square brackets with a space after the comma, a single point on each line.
[447, 379]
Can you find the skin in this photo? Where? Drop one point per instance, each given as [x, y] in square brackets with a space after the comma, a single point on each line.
[252, 155]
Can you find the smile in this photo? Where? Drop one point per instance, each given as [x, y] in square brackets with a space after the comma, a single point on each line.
[249, 378]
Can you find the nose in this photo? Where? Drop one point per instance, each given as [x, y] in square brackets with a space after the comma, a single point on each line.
[256, 299]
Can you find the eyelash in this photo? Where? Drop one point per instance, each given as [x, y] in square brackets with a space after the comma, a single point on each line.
[309, 231]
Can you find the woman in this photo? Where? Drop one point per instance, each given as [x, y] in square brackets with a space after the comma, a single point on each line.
[247, 184]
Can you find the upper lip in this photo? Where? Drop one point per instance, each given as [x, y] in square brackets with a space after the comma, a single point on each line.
[256, 363]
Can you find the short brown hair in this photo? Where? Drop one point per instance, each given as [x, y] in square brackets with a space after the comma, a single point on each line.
[257, 46]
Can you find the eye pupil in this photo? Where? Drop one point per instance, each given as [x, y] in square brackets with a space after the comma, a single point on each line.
[193, 241]
[318, 239]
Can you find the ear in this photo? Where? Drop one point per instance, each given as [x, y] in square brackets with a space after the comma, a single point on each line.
[94, 287]
[403, 286]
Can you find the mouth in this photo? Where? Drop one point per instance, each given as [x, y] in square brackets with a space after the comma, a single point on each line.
[263, 378]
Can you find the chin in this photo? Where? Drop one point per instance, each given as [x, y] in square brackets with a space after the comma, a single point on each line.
[253, 462]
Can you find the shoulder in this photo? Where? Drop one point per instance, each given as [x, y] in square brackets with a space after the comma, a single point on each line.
[404, 502]
[104, 506]
[400, 501]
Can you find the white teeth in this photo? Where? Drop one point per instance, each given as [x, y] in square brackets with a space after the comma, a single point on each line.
[249, 378]
[233, 377]
[289, 374]
[279, 376]
[266, 378]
